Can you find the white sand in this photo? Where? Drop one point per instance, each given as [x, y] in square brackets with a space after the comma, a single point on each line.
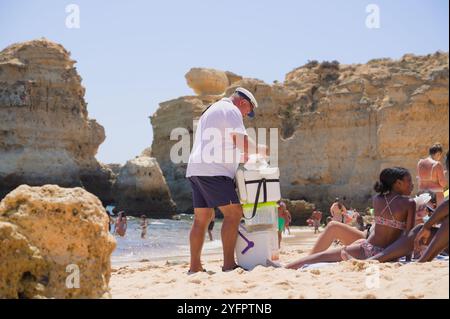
[351, 279]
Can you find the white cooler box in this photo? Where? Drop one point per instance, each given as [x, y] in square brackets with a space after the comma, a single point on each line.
[256, 248]
[267, 179]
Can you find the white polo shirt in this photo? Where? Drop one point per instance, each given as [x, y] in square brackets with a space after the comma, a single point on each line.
[213, 152]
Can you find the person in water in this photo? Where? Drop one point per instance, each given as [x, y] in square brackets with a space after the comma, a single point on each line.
[121, 224]
[144, 226]
[431, 174]
[394, 216]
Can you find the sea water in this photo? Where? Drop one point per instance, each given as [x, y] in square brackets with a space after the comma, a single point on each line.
[165, 238]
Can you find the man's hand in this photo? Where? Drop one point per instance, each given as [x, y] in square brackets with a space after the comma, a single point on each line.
[422, 238]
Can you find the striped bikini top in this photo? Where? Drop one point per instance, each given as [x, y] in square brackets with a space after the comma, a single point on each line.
[393, 223]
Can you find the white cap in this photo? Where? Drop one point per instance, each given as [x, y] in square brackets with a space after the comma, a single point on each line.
[248, 95]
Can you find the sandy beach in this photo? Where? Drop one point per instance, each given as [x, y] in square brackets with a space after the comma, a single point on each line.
[167, 278]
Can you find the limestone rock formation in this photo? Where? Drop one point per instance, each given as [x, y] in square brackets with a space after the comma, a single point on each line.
[50, 234]
[339, 125]
[45, 133]
[140, 188]
[207, 81]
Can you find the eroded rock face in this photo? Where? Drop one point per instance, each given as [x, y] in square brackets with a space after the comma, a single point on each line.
[141, 189]
[45, 133]
[48, 232]
[339, 125]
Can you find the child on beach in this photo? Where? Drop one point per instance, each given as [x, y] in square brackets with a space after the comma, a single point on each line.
[316, 217]
[281, 220]
[144, 225]
[288, 221]
[394, 216]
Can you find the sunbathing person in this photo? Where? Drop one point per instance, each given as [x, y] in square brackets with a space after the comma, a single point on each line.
[435, 238]
[394, 215]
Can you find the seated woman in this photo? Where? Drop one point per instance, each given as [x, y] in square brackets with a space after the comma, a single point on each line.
[435, 238]
[394, 215]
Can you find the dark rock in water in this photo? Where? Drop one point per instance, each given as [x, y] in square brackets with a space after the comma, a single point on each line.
[141, 189]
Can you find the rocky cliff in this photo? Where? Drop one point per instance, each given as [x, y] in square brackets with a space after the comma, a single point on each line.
[339, 125]
[46, 135]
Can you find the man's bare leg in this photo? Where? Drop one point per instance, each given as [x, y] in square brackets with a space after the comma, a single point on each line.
[202, 217]
[437, 244]
[231, 218]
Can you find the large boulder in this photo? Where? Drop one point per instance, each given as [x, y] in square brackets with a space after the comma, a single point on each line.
[140, 188]
[207, 81]
[50, 234]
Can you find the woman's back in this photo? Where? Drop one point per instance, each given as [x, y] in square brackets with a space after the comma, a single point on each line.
[391, 218]
[427, 174]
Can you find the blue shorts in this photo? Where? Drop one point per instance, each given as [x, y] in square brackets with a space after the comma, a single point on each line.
[213, 191]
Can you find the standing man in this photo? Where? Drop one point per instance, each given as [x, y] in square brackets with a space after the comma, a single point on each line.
[219, 140]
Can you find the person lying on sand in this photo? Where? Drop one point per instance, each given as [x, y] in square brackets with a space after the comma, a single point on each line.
[394, 216]
[435, 238]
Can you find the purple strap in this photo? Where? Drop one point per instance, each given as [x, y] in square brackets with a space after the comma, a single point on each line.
[250, 244]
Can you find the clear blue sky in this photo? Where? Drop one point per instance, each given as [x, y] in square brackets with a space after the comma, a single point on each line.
[134, 54]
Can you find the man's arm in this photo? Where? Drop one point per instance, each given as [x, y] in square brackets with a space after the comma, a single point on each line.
[247, 145]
